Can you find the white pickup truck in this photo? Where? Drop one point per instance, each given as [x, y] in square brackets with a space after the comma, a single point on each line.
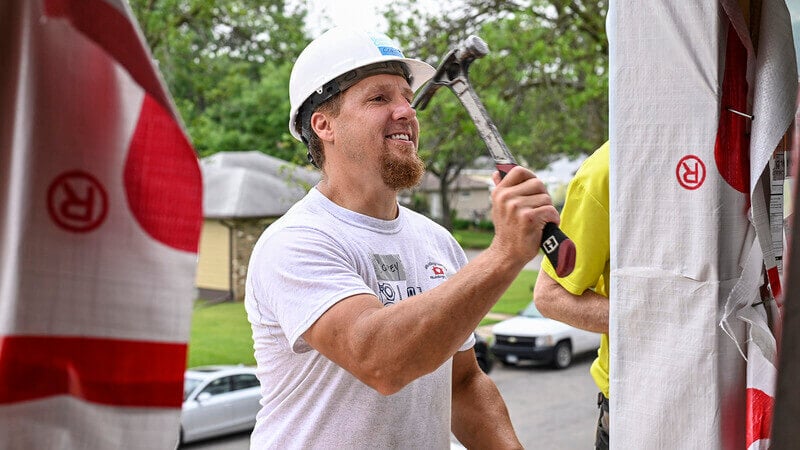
[531, 336]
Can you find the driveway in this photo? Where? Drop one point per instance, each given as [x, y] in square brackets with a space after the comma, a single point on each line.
[550, 409]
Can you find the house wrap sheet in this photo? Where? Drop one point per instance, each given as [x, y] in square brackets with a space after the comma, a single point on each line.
[686, 259]
[100, 194]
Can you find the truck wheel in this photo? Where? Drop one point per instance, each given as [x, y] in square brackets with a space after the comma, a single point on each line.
[562, 355]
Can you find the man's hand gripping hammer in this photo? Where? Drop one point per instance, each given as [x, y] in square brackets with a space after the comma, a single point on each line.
[452, 72]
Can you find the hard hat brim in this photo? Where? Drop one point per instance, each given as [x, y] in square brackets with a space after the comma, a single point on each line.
[420, 72]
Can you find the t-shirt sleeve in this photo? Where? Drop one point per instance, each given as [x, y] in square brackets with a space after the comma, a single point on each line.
[468, 344]
[584, 219]
[302, 273]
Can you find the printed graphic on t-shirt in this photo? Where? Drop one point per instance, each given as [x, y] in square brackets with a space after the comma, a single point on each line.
[392, 283]
[436, 271]
[388, 267]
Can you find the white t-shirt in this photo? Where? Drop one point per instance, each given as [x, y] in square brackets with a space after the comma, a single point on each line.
[317, 254]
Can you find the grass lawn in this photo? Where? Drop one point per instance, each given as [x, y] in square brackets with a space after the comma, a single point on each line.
[518, 295]
[221, 333]
[473, 239]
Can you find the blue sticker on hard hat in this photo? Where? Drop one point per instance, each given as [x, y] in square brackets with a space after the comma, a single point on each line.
[385, 45]
[390, 51]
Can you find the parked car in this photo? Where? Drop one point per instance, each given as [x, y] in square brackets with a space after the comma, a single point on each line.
[218, 400]
[485, 358]
[531, 336]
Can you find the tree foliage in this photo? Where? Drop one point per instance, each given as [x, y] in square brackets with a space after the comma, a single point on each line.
[227, 65]
[544, 82]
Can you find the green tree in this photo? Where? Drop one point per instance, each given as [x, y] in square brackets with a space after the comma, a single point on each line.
[544, 82]
[227, 64]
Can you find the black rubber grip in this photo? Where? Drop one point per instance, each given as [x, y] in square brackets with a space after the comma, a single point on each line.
[559, 249]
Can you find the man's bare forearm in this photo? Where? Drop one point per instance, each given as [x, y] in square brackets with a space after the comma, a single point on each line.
[588, 311]
[480, 418]
[387, 348]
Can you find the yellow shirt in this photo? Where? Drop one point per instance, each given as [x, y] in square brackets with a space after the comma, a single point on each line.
[584, 219]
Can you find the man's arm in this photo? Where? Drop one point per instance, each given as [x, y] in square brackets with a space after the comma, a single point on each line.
[479, 414]
[588, 311]
[387, 348]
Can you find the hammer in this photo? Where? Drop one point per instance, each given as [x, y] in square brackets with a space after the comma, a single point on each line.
[452, 72]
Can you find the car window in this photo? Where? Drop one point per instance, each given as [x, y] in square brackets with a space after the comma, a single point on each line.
[531, 311]
[244, 381]
[189, 385]
[219, 386]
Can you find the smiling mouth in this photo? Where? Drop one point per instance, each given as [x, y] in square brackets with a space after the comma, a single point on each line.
[400, 137]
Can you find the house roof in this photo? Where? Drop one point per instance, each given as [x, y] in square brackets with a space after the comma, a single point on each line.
[558, 172]
[252, 184]
[430, 182]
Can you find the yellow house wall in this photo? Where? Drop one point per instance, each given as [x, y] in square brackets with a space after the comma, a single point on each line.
[213, 265]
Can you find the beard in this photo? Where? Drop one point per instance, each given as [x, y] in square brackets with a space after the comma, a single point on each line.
[401, 171]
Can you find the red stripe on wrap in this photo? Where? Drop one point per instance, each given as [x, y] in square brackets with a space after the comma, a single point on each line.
[774, 282]
[163, 183]
[759, 415]
[106, 371]
[732, 147]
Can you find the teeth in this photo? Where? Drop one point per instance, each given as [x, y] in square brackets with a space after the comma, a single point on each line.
[404, 137]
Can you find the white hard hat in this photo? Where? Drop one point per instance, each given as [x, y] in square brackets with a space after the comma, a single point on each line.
[337, 52]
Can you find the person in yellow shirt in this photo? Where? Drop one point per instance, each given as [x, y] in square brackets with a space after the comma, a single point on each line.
[581, 298]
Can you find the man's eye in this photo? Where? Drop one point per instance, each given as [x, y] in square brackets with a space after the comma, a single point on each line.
[378, 98]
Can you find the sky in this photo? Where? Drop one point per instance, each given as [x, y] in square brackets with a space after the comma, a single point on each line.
[360, 13]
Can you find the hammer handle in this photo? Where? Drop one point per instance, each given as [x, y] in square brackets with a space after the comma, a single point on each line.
[452, 72]
[558, 248]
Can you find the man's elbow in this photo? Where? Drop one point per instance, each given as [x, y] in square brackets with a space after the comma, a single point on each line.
[387, 389]
[543, 305]
[385, 381]
[386, 385]
[544, 294]
[390, 377]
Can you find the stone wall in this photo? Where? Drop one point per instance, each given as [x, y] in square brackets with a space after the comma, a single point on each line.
[245, 234]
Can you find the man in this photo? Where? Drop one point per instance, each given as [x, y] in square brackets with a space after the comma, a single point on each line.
[581, 298]
[363, 311]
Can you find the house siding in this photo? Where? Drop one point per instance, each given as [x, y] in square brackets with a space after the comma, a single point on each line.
[213, 267]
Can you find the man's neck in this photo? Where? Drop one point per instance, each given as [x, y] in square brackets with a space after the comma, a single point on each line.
[362, 198]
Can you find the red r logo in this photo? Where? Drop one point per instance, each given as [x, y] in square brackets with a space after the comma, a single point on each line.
[691, 172]
[77, 202]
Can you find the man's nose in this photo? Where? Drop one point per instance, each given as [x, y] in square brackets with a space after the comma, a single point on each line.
[403, 110]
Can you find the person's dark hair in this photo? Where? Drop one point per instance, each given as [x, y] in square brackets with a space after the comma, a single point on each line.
[315, 154]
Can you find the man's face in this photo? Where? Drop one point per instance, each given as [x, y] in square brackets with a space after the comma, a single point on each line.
[377, 128]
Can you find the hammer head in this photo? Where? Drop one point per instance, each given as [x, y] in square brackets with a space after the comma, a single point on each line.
[454, 66]
[471, 49]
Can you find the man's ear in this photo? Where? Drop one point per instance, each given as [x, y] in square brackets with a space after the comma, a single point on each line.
[322, 125]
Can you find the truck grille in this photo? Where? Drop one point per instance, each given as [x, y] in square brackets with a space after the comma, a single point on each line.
[514, 341]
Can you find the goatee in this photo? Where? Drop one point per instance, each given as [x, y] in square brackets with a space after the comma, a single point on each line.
[401, 172]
